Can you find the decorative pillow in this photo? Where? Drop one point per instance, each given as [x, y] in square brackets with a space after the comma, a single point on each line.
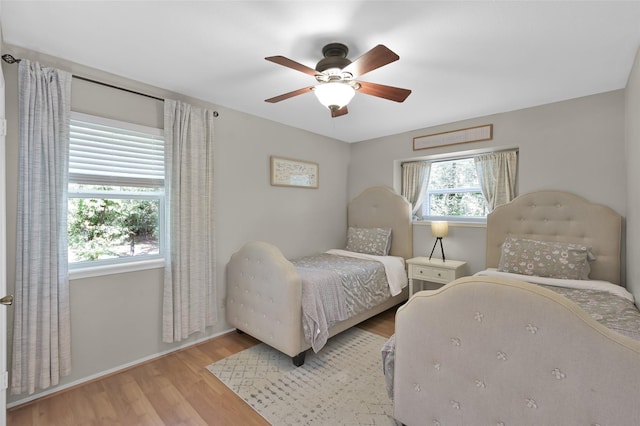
[545, 258]
[375, 241]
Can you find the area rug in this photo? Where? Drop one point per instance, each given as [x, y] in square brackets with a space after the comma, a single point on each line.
[343, 384]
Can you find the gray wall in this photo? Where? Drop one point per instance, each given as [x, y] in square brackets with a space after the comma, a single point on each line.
[575, 145]
[116, 319]
[632, 138]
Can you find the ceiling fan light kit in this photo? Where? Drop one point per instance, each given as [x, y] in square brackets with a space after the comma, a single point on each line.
[334, 95]
[335, 75]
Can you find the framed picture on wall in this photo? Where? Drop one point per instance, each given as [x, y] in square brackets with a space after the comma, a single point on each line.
[454, 137]
[296, 173]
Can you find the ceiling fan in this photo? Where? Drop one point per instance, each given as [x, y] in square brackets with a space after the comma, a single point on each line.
[335, 75]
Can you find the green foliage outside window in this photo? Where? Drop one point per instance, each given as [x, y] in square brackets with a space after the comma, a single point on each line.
[102, 228]
[453, 174]
[454, 190]
[466, 204]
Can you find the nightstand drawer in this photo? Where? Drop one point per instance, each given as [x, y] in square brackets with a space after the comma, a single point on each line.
[435, 271]
[430, 273]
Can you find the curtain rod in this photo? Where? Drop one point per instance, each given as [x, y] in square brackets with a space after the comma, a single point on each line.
[12, 60]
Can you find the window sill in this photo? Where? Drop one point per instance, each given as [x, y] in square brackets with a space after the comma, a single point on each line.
[97, 271]
[460, 224]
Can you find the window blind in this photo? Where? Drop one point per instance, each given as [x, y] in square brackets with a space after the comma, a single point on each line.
[113, 153]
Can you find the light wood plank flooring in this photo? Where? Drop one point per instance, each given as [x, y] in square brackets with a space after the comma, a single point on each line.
[175, 389]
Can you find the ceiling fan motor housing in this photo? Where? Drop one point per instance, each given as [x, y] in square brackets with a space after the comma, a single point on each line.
[335, 57]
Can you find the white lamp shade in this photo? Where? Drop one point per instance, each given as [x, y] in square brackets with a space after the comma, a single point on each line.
[334, 94]
[439, 229]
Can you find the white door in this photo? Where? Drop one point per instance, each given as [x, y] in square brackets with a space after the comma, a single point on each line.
[3, 262]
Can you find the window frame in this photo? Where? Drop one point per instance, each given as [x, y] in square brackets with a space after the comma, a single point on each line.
[90, 268]
[459, 219]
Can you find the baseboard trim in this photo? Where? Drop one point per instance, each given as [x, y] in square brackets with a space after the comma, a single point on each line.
[61, 388]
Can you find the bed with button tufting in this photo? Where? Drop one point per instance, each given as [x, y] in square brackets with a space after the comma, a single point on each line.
[266, 292]
[498, 348]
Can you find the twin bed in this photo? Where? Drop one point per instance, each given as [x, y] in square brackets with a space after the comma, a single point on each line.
[493, 349]
[266, 295]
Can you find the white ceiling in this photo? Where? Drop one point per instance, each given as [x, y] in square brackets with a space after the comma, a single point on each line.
[460, 59]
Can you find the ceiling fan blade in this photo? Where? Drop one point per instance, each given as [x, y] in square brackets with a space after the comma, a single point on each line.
[387, 92]
[281, 60]
[288, 95]
[373, 59]
[338, 112]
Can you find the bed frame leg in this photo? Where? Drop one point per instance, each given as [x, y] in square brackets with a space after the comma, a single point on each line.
[298, 360]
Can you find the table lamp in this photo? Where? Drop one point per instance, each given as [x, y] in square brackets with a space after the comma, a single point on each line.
[439, 229]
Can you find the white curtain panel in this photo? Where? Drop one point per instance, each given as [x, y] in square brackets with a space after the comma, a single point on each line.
[41, 327]
[189, 285]
[497, 175]
[415, 178]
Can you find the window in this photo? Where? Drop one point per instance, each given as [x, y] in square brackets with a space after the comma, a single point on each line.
[454, 192]
[116, 192]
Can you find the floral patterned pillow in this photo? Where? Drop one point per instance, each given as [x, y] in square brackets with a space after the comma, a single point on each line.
[375, 241]
[545, 259]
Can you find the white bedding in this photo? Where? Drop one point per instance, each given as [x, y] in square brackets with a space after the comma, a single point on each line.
[394, 268]
[578, 284]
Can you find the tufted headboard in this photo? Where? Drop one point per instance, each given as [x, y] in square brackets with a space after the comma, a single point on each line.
[559, 216]
[382, 207]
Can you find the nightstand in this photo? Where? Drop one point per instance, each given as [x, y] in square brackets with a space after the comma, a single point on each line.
[434, 270]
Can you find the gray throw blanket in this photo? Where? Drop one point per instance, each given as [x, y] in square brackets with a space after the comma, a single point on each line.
[323, 303]
[388, 353]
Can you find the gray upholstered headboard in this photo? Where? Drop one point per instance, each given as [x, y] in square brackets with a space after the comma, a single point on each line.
[381, 207]
[559, 216]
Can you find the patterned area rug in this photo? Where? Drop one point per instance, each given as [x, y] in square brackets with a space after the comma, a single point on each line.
[343, 384]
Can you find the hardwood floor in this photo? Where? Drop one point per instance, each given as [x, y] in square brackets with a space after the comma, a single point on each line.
[175, 389]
